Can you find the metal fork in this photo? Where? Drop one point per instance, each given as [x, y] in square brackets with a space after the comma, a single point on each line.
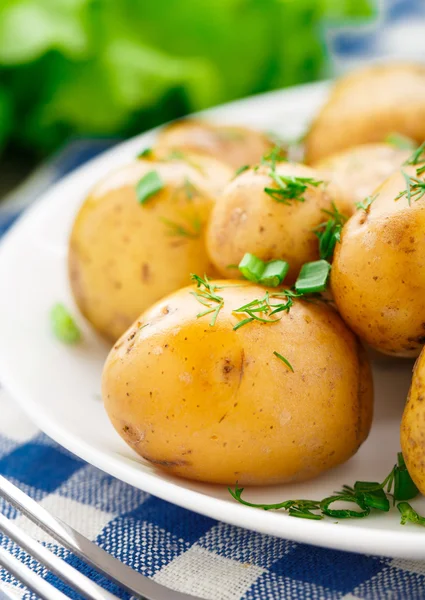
[133, 582]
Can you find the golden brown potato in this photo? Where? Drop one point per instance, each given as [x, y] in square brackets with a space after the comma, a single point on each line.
[367, 105]
[247, 219]
[378, 272]
[358, 171]
[210, 403]
[216, 172]
[124, 255]
[234, 145]
[413, 426]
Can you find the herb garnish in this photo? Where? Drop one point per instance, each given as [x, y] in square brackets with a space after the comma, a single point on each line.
[329, 232]
[176, 229]
[415, 188]
[270, 273]
[145, 153]
[149, 185]
[368, 495]
[206, 295]
[261, 309]
[285, 360]
[289, 187]
[63, 325]
[402, 142]
[241, 170]
[366, 203]
[417, 157]
[313, 277]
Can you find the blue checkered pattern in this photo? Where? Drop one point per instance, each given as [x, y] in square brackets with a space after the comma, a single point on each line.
[174, 546]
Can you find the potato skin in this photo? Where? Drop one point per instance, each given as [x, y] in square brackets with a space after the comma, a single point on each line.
[412, 433]
[235, 145]
[123, 256]
[358, 171]
[246, 219]
[212, 404]
[378, 272]
[367, 105]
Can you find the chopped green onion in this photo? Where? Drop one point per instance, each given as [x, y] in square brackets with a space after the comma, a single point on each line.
[404, 488]
[251, 267]
[270, 274]
[372, 494]
[285, 360]
[313, 277]
[63, 325]
[400, 141]
[409, 515]
[149, 185]
[144, 153]
[329, 232]
[274, 273]
[241, 170]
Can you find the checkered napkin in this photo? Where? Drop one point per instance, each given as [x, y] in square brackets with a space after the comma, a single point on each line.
[181, 549]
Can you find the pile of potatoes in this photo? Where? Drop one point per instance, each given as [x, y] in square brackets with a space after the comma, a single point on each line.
[190, 387]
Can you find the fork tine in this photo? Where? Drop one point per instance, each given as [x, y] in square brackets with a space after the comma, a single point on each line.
[112, 568]
[74, 578]
[31, 580]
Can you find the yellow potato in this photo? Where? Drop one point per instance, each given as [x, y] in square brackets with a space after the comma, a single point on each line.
[358, 171]
[234, 145]
[123, 255]
[367, 105]
[209, 403]
[412, 426]
[247, 219]
[378, 272]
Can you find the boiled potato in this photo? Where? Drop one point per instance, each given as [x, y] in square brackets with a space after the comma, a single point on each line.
[216, 173]
[359, 170]
[206, 402]
[246, 218]
[412, 426]
[234, 145]
[123, 255]
[378, 272]
[367, 105]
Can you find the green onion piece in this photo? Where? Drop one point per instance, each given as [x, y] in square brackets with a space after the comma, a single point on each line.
[285, 360]
[144, 153]
[404, 488]
[251, 267]
[304, 514]
[274, 273]
[409, 515]
[241, 170]
[149, 185]
[344, 513]
[400, 141]
[372, 495]
[313, 277]
[63, 325]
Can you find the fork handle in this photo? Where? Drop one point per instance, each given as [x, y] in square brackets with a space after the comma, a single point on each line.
[105, 563]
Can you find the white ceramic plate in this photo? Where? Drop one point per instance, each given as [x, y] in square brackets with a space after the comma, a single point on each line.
[58, 386]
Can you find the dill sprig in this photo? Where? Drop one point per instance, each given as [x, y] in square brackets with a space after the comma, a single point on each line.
[415, 188]
[366, 203]
[191, 231]
[417, 157]
[262, 309]
[206, 294]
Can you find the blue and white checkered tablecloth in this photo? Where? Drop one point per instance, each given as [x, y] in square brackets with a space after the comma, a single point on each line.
[176, 547]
